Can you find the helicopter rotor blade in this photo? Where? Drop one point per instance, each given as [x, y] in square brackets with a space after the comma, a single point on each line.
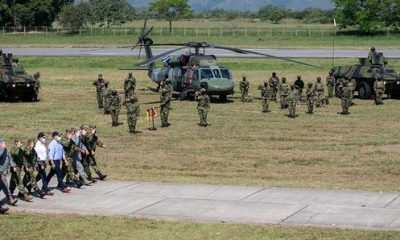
[243, 51]
[147, 33]
[155, 58]
[140, 51]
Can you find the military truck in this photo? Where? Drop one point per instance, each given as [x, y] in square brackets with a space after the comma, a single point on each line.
[15, 83]
[365, 74]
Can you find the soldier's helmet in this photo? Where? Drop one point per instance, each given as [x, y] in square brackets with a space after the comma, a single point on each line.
[244, 77]
[36, 75]
[130, 74]
[298, 76]
[203, 90]
[284, 80]
[100, 75]
[274, 74]
[266, 84]
[330, 72]
[372, 48]
[318, 79]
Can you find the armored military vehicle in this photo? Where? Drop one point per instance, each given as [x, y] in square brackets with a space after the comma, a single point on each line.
[15, 83]
[366, 72]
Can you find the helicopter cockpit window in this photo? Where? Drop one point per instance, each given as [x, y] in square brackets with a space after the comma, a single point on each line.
[225, 73]
[206, 73]
[216, 73]
[390, 71]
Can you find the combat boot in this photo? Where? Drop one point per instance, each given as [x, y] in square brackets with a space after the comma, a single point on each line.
[41, 194]
[101, 176]
[3, 210]
[27, 198]
[78, 183]
[12, 201]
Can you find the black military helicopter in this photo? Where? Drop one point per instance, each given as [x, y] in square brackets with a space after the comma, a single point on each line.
[194, 70]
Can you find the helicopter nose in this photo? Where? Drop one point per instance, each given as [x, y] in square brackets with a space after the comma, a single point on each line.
[220, 85]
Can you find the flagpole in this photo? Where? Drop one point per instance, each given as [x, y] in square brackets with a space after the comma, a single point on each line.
[333, 42]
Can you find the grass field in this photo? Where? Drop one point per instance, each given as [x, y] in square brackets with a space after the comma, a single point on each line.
[41, 226]
[242, 145]
[239, 33]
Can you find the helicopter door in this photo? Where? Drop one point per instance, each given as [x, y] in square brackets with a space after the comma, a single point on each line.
[177, 78]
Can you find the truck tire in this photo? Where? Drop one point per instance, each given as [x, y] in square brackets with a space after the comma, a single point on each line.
[365, 91]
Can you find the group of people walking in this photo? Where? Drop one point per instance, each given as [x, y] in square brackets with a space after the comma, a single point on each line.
[70, 156]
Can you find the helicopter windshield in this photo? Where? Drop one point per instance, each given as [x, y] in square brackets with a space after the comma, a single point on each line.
[206, 73]
[216, 73]
[225, 73]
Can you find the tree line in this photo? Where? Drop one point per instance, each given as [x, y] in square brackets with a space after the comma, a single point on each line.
[361, 16]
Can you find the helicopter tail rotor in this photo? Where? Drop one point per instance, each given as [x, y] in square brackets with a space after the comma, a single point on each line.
[143, 35]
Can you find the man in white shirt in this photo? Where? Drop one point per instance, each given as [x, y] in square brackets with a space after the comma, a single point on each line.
[41, 151]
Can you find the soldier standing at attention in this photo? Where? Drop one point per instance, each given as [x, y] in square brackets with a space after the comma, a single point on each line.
[379, 88]
[372, 55]
[244, 88]
[115, 105]
[6, 162]
[29, 169]
[352, 86]
[99, 84]
[283, 92]
[165, 103]
[16, 181]
[203, 106]
[274, 83]
[93, 142]
[345, 95]
[319, 88]
[339, 87]
[310, 95]
[266, 94]
[168, 87]
[291, 101]
[129, 86]
[299, 86]
[132, 111]
[330, 83]
[106, 95]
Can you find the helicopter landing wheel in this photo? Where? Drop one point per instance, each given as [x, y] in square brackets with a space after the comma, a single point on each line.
[223, 98]
[182, 96]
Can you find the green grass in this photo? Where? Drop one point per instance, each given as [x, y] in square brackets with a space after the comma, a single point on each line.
[242, 146]
[239, 33]
[45, 226]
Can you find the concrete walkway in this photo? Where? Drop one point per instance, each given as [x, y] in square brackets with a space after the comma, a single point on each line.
[234, 204]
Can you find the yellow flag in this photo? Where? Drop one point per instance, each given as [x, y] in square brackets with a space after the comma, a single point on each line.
[334, 22]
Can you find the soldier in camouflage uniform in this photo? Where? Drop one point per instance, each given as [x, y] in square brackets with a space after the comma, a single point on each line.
[85, 156]
[129, 86]
[339, 87]
[29, 168]
[274, 83]
[165, 104]
[352, 86]
[6, 162]
[330, 83]
[203, 106]
[16, 176]
[132, 112]
[320, 90]
[244, 88]
[266, 95]
[283, 93]
[99, 84]
[106, 96]
[345, 95]
[115, 106]
[168, 86]
[310, 95]
[291, 101]
[93, 142]
[379, 88]
[299, 86]
[67, 168]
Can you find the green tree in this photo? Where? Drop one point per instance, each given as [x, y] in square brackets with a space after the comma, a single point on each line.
[272, 13]
[171, 10]
[368, 16]
[111, 12]
[277, 15]
[74, 17]
[22, 15]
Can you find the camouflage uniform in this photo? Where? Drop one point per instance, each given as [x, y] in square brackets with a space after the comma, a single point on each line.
[93, 142]
[165, 103]
[16, 176]
[203, 107]
[266, 94]
[6, 162]
[244, 88]
[339, 87]
[379, 88]
[299, 86]
[129, 86]
[99, 84]
[330, 83]
[345, 95]
[115, 108]
[310, 94]
[291, 101]
[283, 93]
[67, 169]
[319, 88]
[29, 168]
[352, 86]
[274, 83]
[132, 111]
[106, 95]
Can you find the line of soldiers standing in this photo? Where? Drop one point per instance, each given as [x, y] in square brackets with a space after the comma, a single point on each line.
[290, 96]
[110, 101]
[28, 164]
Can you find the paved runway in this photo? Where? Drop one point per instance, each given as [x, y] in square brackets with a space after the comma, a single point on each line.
[222, 203]
[289, 53]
